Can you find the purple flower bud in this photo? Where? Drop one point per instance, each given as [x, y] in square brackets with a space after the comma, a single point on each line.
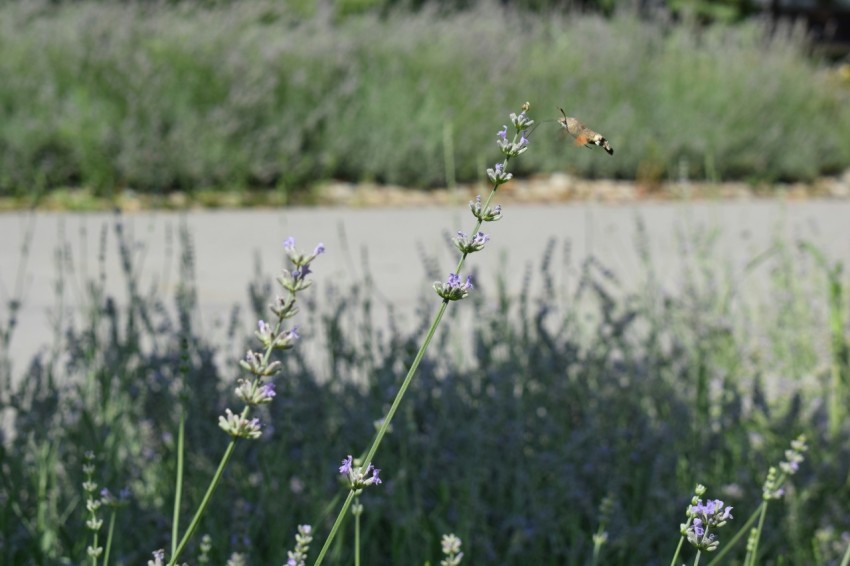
[345, 468]
[267, 391]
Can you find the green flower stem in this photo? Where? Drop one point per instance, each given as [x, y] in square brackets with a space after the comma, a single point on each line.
[420, 354]
[744, 529]
[175, 553]
[405, 384]
[109, 534]
[382, 430]
[357, 539]
[846, 560]
[597, 549]
[203, 506]
[346, 504]
[758, 533]
[178, 483]
[678, 550]
[385, 425]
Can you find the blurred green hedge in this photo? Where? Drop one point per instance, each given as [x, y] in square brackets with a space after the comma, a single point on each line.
[157, 97]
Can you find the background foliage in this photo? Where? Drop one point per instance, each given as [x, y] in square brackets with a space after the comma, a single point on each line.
[163, 96]
[519, 423]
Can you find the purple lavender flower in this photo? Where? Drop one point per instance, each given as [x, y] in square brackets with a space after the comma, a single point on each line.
[453, 289]
[698, 528]
[468, 245]
[254, 392]
[704, 518]
[521, 121]
[158, 558]
[358, 478]
[255, 363]
[451, 548]
[480, 238]
[374, 480]
[712, 512]
[345, 468]
[296, 279]
[265, 333]
[238, 426]
[298, 259]
[267, 391]
[478, 210]
[269, 337]
[286, 339]
[497, 174]
[301, 273]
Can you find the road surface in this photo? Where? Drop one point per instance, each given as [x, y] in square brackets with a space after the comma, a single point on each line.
[386, 244]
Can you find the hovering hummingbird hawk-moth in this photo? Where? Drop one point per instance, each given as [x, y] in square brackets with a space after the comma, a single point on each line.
[584, 135]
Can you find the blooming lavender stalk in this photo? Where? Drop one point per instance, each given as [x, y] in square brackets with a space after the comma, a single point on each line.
[450, 545]
[93, 523]
[771, 489]
[600, 537]
[358, 476]
[454, 289]
[113, 503]
[303, 538]
[707, 516]
[846, 559]
[702, 519]
[206, 547]
[255, 390]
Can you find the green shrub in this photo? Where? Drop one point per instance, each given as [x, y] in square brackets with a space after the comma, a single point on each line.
[161, 96]
[512, 434]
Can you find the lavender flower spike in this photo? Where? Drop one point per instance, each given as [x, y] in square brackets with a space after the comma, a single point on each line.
[345, 468]
[298, 556]
[706, 516]
[453, 289]
[521, 121]
[450, 545]
[296, 257]
[358, 478]
[467, 244]
[253, 392]
[238, 426]
[498, 175]
[486, 214]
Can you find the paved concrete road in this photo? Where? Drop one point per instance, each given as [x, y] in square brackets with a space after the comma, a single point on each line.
[226, 243]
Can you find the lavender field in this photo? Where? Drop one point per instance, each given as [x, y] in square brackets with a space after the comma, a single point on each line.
[684, 342]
